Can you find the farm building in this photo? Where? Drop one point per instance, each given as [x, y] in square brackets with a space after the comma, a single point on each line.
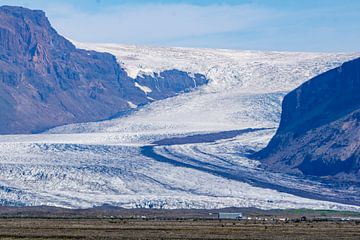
[233, 216]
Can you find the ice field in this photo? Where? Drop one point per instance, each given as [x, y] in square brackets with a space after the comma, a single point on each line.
[126, 161]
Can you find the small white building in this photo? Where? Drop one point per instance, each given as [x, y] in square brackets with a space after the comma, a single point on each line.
[230, 216]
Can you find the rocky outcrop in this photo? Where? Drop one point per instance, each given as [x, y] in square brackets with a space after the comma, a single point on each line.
[319, 132]
[45, 81]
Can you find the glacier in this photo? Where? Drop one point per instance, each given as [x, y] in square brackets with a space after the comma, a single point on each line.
[120, 161]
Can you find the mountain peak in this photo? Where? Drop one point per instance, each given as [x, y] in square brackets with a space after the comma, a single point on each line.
[37, 16]
[20, 10]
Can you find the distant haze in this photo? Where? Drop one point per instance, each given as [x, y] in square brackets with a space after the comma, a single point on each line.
[285, 25]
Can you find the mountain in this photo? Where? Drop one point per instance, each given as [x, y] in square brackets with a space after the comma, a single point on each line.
[45, 81]
[115, 162]
[319, 132]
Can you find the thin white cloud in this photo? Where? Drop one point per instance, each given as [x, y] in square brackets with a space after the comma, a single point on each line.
[152, 23]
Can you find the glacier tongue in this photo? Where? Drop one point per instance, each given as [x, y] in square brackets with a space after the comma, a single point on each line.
[88, 164]
[245, 90]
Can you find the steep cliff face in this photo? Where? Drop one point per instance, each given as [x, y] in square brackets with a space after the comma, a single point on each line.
[319, 132]
[45, 81]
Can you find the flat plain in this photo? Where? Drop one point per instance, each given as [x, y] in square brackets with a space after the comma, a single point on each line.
[108, 222]
[174, 229]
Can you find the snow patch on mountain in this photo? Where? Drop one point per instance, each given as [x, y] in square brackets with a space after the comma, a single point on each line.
[145, 89]
[132, 105]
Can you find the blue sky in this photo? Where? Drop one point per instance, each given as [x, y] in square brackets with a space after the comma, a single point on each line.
[284, 25]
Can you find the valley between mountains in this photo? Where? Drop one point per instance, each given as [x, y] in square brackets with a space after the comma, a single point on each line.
[169, 145]
[89, 164]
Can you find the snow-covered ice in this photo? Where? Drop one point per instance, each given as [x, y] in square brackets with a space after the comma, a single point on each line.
[83, 165]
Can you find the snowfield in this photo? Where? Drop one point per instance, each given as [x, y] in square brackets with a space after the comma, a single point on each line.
[115, 162]
[245, 90]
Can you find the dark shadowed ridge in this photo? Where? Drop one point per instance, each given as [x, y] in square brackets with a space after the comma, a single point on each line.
[45, 81]
[319, 132]
[206, 138]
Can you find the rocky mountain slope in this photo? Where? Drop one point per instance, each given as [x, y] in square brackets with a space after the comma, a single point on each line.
[45, 81]
[319, 132]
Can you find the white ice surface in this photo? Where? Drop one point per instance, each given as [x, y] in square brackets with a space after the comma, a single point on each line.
[245, 90]
[88, 164]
